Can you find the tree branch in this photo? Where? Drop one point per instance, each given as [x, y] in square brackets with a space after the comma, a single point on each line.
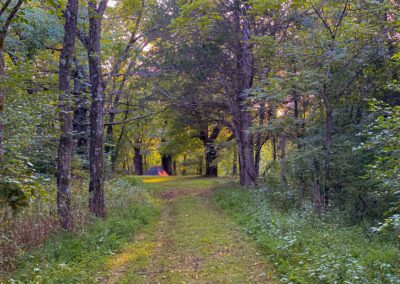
[11, 16]
[137, 117]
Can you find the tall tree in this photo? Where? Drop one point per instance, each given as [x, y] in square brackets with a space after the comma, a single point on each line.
[65, 147]
[92, 43]
[242, 119]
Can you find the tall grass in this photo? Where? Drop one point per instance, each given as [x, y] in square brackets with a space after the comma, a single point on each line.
[33, 244]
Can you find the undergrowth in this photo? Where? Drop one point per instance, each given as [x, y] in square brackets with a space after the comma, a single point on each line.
[307, 249]
[76, 257]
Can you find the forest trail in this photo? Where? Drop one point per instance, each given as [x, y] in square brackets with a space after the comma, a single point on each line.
[193, 242]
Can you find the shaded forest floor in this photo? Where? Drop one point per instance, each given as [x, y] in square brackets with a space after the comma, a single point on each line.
[193, 242]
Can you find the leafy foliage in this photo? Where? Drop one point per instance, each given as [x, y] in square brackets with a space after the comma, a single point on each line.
[383, 141]
[306, 249]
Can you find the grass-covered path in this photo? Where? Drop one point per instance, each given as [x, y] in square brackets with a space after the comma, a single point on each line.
[192, 242]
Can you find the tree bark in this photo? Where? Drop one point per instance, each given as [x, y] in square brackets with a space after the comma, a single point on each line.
[118, 145]
[274, 148]
[211, 157]
[319, 203]
[235, 158]
[96, 153]
[210, 150]
[283, 161]
[327, 147]
[65, 148]
[166, 162]
[260, 140]
[138, 161]
[174, 167]
[247, 168]
[184, 167]
[80, 112]
[242, 118]
[200, 166]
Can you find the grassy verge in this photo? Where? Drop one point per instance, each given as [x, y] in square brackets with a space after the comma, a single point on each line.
[306, 249]
[77, 257]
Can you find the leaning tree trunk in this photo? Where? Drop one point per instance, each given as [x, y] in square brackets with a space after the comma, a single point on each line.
[65, 148]
[96, 153]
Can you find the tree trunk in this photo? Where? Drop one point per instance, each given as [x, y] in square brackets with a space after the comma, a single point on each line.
[242, 119]
[80, 112]
[328, 147]
[274, 148]
[283, 161]
[184, 167]
[138, 160]
[200, 166]
[319, 203]
[260, 141]
[211, 151]
[109, 134]
[96, 155]
[118, 145]
[2, 92]
[235, 158]
[65, 148]
[174, 167]
[110, 127]
[166, 162]
[211, 157]
[247, 168]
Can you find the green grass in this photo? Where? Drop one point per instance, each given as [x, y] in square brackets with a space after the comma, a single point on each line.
[146, 239]
[306, 249]
[185, 237]
[77, 257]
[194, 241]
